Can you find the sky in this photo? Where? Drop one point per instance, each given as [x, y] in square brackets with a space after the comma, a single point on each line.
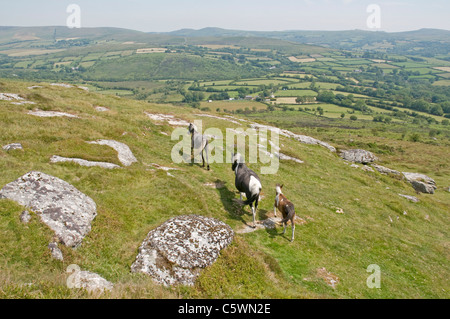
[254, 15]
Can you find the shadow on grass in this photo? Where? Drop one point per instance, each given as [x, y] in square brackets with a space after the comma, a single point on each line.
[233, 207]
[227, 197]
[197, 161]
[237, 211]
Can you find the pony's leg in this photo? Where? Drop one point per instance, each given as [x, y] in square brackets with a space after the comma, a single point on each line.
[284, 229]
[192, 148]
[206, 155]
[293, 229]
[240, 196]
[203, 159]
[274, 210]
[254, 208]
[254, 215]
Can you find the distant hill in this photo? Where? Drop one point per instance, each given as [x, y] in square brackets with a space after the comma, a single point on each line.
[43, 36]
[61, 32]
[409, 42]
[425, 34]
[319, 36]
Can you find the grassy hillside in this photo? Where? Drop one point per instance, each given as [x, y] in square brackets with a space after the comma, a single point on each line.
[167, 66]
[409, 241]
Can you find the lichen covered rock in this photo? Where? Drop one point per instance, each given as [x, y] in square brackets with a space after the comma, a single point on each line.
[175, 252]
[421, 182]
[358, 156]
[62, 207]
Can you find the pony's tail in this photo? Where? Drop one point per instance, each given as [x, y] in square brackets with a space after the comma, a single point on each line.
[250, 200]
[290, 213]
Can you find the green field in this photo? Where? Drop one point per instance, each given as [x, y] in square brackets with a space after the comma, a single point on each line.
[295, 93]
[257, 82]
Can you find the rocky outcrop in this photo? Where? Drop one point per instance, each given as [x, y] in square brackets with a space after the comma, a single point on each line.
[91, 282]
[87, 280]
[280, 155]
[10, 97]
[301, 138]
[311, 140]
[82, 162]
[386, 170]
[175, 252]
[12, 146]
[409, 197]
[62, 207]
[367, 168]
[219, 118]
[101, 109]
[421, 182]
[41, 113]
[170, 119]
[55, 251]
[124, 153]
[64, 85]
[358, 156]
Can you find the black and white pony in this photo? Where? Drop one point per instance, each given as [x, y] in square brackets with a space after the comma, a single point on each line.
[247, 182]
[200, 143]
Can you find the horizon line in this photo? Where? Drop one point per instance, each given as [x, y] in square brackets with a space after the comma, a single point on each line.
[225, 29]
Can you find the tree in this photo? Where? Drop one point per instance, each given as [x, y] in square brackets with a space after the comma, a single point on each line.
[437, 110]
[378, 118]
[420, 105]
[320, 110]
[361, 106]
[446, 106]
[342, 115]
[346, 102]
[414, 137]
[242, 92]
[300, 99]
[353, 117]
[325, 96]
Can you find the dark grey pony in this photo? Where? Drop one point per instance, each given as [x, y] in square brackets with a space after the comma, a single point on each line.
[247, 182]
[200, 143]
